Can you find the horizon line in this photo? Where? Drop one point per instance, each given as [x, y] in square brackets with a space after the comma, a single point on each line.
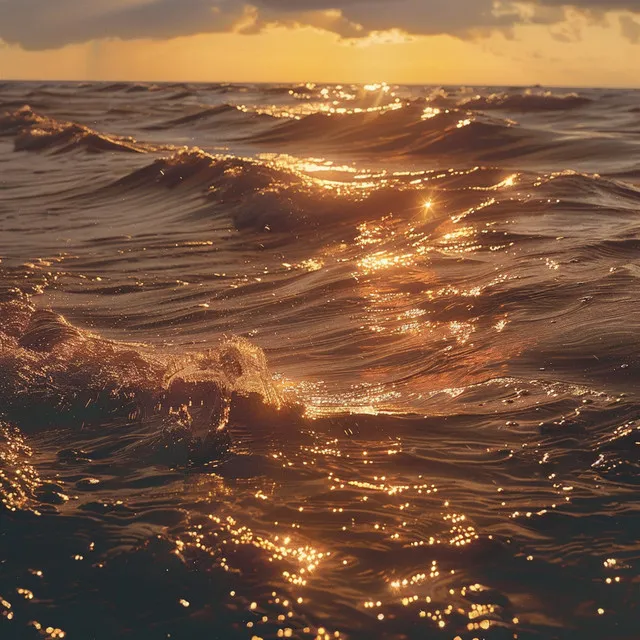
[344, 82]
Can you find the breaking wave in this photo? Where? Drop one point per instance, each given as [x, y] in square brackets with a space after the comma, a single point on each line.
[55, 375]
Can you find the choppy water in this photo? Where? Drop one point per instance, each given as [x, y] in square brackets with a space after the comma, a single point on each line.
[318, 361]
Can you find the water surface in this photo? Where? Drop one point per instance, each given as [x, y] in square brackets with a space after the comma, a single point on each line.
[319, 361]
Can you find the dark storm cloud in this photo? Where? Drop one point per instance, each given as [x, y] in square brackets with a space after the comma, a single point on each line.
[42, 24]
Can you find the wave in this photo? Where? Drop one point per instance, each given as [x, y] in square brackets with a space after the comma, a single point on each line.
[182, 90]
[128, 87]
[525, 102]
[259, 195]
[34, 132]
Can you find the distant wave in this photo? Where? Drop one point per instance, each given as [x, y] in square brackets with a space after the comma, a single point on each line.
[413, 130]
[34, 132]
[47, 93]
[142, 88]
[107, 88]
[525, 102]
[227, 88]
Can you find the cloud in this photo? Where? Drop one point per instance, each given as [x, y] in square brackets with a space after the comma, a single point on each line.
[44, 24]
[41, 24]
[597, 5]
[630, 29]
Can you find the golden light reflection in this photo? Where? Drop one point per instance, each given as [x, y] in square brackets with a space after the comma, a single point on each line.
[508, 182]
[363, 399]
[381, 260]
[377, 87]
[302, 563]
[279, 548]
[431, 112]
[461, 240]
[483, 205]
[297, 112]
[306, 165]
[50, 633]
[18, 477]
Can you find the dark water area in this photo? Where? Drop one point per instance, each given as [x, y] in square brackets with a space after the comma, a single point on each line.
[319, 361]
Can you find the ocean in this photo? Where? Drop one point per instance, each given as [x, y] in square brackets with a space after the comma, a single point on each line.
[319, 361]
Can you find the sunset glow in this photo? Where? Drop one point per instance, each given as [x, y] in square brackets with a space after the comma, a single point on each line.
[570, 49]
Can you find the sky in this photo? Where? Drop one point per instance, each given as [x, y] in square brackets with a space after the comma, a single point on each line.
[567, 43]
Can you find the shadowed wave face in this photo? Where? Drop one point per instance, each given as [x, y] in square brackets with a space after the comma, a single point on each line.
[318, 361]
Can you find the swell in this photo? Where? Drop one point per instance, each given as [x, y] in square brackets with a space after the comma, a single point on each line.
[561, 276]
